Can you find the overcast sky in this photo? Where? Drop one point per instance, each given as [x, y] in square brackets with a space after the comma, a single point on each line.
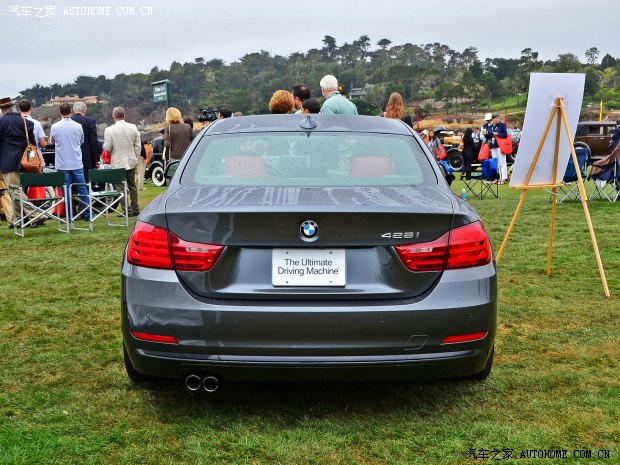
[45, 45]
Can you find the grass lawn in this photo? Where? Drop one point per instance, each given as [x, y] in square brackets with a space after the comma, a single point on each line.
[65, 398]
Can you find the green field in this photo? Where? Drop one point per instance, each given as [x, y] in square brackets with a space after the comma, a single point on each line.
[65, 398]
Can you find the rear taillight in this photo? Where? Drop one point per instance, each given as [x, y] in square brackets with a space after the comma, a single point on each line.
[148, 246]
[193, 256]
[154, 247]
[426, 256]
[469, 246]
[463, 247]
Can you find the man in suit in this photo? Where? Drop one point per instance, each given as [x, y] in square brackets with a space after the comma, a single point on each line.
[14, 138]
[91, 150]
[122, 140]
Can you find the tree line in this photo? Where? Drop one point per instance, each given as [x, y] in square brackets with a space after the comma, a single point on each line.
[459, 79]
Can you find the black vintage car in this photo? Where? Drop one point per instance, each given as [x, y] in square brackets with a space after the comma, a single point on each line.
[455, 157]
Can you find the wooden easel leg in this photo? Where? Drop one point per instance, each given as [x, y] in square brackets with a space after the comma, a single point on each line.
[584, 203]
[554, 194]
[594, 243]
[512, 223]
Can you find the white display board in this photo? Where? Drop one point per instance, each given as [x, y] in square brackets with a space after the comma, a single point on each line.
[544, 89]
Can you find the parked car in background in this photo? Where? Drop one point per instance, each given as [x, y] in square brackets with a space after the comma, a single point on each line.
[455, 157]
[49, 153]
[298, 248]
[595, 137]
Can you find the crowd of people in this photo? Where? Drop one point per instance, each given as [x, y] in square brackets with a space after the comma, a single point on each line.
[473, 139]
[78, 150]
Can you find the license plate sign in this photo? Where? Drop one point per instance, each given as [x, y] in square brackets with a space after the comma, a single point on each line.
[308, 267]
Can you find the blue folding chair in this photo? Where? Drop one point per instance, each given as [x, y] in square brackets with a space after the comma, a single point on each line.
[447, 170]
[486, 183]
[570, 188]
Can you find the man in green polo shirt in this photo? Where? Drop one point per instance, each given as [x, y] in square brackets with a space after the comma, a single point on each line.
[335, 103]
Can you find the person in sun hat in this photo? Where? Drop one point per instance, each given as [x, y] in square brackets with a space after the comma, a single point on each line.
[13, 142]
[5, 198]
[485, 132]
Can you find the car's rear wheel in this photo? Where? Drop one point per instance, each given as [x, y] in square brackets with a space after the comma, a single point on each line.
[132, 373]
[157, 176]
[486, 371]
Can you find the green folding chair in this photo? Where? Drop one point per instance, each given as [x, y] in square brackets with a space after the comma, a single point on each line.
[109, 202]
[33, 211]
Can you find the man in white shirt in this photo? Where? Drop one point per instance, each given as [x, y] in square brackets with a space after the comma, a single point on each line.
[67, 135]
[25, 107]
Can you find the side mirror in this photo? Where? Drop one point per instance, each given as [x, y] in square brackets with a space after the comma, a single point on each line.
[170, 170]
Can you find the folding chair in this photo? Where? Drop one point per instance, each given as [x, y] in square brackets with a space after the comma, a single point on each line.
[447, 171]
[605, 173]
[79, 204]
[33, 211]
[107, 201]
[570, 189]
[481, 185]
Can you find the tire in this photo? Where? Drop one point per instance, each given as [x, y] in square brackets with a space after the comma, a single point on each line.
[455, 158]
[132, 373]
[486, 371]
[157, 176]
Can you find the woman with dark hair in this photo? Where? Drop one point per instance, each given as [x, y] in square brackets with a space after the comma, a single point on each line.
[469, 151]
[396, 109]
[190, 123]
[434, 144]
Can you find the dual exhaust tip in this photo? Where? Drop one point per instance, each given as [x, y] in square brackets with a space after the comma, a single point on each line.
[194, 382]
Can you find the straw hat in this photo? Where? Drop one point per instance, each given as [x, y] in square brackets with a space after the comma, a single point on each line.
[6, 102]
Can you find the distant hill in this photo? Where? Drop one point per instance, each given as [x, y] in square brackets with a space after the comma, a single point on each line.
[458, 81]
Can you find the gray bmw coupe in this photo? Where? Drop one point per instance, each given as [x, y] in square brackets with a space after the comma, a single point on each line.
[296, 248]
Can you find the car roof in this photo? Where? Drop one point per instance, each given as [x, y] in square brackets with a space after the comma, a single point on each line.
[597, 123]
[324, 123]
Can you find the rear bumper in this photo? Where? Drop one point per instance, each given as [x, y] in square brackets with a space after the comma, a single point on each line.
[309, 341]
[313, 369]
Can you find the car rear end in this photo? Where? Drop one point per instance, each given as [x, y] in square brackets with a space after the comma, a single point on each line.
[338, 256]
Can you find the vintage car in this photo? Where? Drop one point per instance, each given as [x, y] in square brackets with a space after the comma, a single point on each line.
[455, 157]
[595, 137]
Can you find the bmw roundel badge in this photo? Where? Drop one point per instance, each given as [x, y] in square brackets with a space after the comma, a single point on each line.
[309, 229]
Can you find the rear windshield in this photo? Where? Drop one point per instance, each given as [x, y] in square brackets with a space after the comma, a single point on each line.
[308, 159]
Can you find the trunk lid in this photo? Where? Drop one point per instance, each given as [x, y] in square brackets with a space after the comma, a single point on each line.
[358, 225]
